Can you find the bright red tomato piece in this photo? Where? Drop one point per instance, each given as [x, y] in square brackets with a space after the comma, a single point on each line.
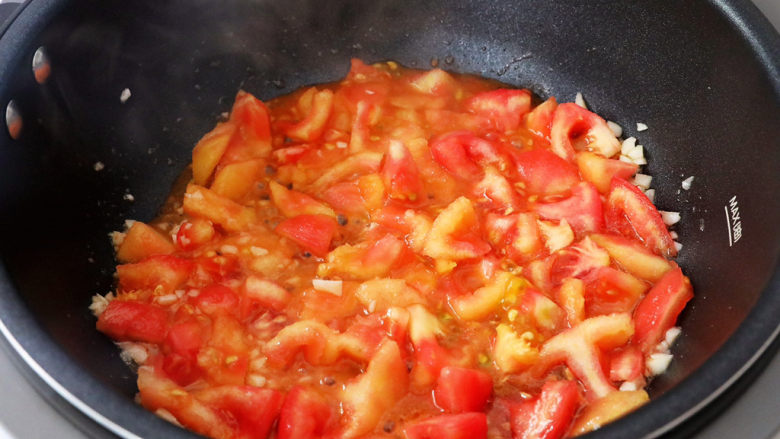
[462, 426]
[545, 173]
[548, 416]
[133, 321]
[461, 389]
[630, 213]
[582, 210]
[658, 310]
[305, 415]
[312, 232]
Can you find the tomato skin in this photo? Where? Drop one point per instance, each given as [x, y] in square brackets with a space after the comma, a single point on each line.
[582, 210]
[630, 213]
[460, 389]
[658, 310]
[312, 232]
[549, 416]
[305, 415]
[545, 173]
[462, 426]
[133, 321]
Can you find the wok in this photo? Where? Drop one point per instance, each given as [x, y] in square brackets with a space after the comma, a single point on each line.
[703, 75]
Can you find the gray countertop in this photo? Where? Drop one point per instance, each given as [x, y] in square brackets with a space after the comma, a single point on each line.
[24, 413]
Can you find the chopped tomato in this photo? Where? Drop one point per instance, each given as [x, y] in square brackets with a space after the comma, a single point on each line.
[293, 203]
[582, 210]
[209, 150]
[658, 311]
[305, 415]
[550, 415]
[431, 358]
[578, 261]
[346, 198]
[462, 426]
[580, 348]
[291, 154]
[600, 171]
[252, 138]
[461, 390]
[539, 120]
[400, 175]
[216, 299]
[184, 341]
[496, 192]
[445, 256]
[168, 272]
[505, 108]
[194, 232]
[452, 152]
[142, 241]
[252, 409]
[626, 365]
[575, 128]
[544, 173]
[630, 213]
[313, 125]
[133, 321]
[613, 291]
[312, 232]
[633, 257]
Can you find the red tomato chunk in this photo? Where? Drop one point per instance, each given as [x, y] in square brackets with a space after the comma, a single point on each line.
[398, 254]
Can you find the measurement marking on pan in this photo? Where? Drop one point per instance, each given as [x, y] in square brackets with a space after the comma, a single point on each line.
[733, 221]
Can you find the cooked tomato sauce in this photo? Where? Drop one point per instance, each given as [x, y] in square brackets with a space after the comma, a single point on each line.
[399, 254]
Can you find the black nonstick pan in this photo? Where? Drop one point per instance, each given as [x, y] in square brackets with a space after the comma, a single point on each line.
[703, 75]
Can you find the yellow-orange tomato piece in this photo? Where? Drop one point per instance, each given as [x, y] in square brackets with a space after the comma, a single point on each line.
[142, 241]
